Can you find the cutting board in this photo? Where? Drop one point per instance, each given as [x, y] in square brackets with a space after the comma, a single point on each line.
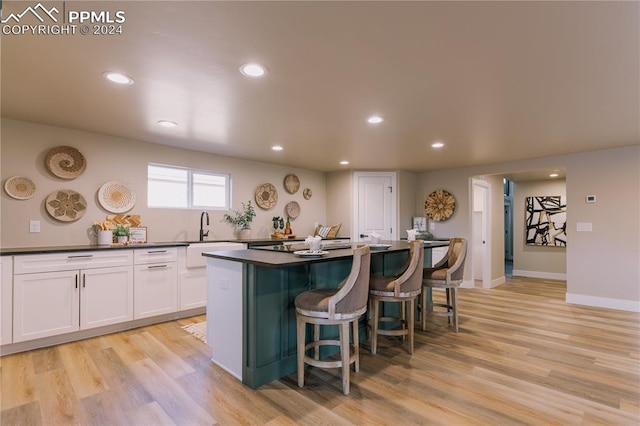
[124, 219]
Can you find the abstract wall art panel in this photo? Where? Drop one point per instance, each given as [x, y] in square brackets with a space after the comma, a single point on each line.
[546, 221]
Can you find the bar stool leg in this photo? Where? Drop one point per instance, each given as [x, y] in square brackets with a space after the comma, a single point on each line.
[344, 355]
[300, 327]
[448, 292]
[374, 326]
[411, 315]
[454, 307]
[316, 337]
[356, 345]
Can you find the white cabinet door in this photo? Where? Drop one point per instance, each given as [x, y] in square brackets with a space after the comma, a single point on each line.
[106, 296]
[6, 299]
[156, 289]
[193, 288]
[45, 304]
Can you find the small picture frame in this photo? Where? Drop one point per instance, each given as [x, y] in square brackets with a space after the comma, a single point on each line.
[420, 223]
[138, 234]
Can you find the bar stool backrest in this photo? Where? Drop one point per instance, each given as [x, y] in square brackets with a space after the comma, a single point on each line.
[354, 290]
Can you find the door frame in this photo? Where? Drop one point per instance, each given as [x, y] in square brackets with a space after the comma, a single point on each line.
[486, 224]
[355, 233]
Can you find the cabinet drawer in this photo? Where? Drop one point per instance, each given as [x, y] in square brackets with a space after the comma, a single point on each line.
[33, 263]
[155, 255]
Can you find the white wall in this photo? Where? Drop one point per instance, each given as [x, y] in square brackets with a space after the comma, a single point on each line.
[340, 200]
[603, 266]
[24, 146]
[407, 182]
[537, 261]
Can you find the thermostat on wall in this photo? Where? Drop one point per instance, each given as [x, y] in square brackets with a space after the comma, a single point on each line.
[591, 198]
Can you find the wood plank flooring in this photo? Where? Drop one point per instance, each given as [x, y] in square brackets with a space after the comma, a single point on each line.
[522, 356]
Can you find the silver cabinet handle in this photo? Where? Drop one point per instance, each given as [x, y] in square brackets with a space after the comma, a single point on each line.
[156, 266]
[156, 251]
[84, 281]
[85, 256]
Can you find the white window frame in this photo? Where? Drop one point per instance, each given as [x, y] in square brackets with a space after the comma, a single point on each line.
[189, 183]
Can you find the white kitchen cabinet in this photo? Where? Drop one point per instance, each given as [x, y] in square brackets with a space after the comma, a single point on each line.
[79, 293]
[156, 282]
[106, 296]
[6, 299]
[192, 272]
[45, 304]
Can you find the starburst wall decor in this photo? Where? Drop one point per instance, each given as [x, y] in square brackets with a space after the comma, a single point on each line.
[440, 205]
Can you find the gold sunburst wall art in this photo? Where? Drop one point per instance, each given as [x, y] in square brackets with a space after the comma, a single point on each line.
[439, 205]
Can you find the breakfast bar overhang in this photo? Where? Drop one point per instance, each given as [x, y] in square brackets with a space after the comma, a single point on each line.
[251, 321]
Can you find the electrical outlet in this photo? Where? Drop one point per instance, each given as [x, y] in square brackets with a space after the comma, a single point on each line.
[432, 226]
[583, 227]
[34, 226]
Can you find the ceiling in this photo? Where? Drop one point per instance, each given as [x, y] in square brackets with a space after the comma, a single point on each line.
[494, 81]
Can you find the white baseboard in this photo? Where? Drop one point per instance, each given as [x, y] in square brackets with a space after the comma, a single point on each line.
[539, 274]
[498, 281]
[494, 283]
[603, 302]
[467, 284]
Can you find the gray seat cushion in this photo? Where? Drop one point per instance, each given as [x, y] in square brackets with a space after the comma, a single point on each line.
[434, 274]
[315, 300]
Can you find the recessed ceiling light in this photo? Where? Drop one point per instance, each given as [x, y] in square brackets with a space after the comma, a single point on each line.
[344, 162]
[437, 144]
[167, 123]
[117, 77]
[277, 148]
[375, 119]
[253, 70]
[553, 175]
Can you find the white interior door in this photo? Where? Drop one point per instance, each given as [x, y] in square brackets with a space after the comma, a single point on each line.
[376, 205]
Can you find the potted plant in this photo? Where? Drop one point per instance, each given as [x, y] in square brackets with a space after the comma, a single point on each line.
[121, 232]
[241, 219]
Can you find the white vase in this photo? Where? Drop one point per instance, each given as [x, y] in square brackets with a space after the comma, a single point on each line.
[243, 234]
[123, 239]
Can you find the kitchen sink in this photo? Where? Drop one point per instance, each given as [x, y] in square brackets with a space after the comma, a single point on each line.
[195, 259]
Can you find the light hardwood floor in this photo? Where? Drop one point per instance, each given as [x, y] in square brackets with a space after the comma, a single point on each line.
[522, 356]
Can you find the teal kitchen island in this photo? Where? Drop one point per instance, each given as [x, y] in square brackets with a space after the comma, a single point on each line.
[251, 320]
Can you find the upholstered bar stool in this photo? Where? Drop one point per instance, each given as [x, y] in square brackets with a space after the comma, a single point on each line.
[403, 288]
[446, 274]
[343, 307]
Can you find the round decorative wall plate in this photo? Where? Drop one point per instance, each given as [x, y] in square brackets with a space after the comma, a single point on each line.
[65, 162]
[266, 196]
[440, 205]
[293, 209]
[20, 187]
[307, 193]
[117, 196]
[291, 183]
[66, 205]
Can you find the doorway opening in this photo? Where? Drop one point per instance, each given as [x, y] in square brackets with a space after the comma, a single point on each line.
[508, 227]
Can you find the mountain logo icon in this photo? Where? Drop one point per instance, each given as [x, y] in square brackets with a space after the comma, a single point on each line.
[38, 11]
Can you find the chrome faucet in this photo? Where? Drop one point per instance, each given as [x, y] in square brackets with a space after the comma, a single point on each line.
[202, 233]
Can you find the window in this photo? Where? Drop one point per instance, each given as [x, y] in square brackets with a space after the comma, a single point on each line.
[183, 188]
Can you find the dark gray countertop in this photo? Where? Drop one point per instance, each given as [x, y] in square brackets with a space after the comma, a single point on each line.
[9, 251]
[91, 247]
[283, 258]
